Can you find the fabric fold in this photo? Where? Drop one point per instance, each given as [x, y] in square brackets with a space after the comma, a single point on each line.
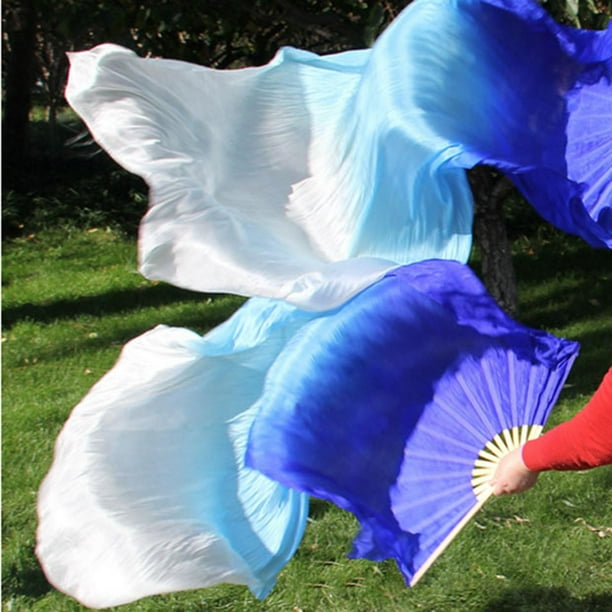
[260, 178]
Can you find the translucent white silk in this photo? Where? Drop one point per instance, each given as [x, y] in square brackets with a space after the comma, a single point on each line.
[265, 181]
[148, 492]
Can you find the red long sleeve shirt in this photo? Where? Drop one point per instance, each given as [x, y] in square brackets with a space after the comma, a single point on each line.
[583, 442]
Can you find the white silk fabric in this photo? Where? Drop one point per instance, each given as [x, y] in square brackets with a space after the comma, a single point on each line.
[148, 492]
[279, 181]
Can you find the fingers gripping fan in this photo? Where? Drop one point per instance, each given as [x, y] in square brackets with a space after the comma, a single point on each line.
[398, 405]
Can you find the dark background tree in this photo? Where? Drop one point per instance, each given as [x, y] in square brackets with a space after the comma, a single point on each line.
[228, 34]
[19, 30]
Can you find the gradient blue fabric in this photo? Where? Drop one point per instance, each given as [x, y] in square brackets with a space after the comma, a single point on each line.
[190, 462]
[550, 116]
[499, 82]
[384, 406]
[309, 178]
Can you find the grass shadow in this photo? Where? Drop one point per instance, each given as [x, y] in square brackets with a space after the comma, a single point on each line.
[107, 303]
[565, 284]
[318, 508]
[548, 600]
[536, 260]
[578, 291]
[26, 581]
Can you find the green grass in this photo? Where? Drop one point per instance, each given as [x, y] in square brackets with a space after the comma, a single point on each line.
[72, 299]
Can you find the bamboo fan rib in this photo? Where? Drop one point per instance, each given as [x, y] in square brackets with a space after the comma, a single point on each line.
[482, 474]
[494, 451]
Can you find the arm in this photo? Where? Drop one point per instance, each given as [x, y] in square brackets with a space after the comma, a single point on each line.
[583, 442]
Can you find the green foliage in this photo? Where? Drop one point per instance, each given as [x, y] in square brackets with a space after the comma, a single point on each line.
[113, 200]
[57, 187]
[218, 34]
[54, 186]
[73, 298]
[72, 185]
[589, 14]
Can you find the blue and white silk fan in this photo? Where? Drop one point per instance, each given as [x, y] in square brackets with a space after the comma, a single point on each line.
[309, 178]
[398, 406]
[390, 391]
[190, 463]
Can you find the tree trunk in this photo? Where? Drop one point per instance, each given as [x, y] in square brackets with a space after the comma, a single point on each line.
[491, 237]
[20, 32]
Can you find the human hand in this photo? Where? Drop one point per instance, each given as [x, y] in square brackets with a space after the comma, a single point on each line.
[512, 475]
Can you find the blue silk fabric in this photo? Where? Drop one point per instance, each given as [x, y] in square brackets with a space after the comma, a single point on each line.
[499, 82]
[383, 406]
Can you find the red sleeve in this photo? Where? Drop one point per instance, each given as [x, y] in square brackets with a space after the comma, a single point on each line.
[583, 442]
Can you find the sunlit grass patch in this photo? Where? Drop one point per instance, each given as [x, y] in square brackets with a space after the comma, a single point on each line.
[72, 299]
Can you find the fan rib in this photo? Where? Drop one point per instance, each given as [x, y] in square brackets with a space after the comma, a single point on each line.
[438, 435]
[442, 513]
[437, 457]
[419, 477]
[495, 450]
[432, 497]
[498, 440]
[535, 373]
[488, 458]
[463, 422]
[512, 387]
[433, 536]
[493, 393]
[474, 403]
[508, 438]
[447, 540]
[485, 454]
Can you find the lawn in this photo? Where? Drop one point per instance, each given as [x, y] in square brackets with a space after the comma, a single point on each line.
[72, 298]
